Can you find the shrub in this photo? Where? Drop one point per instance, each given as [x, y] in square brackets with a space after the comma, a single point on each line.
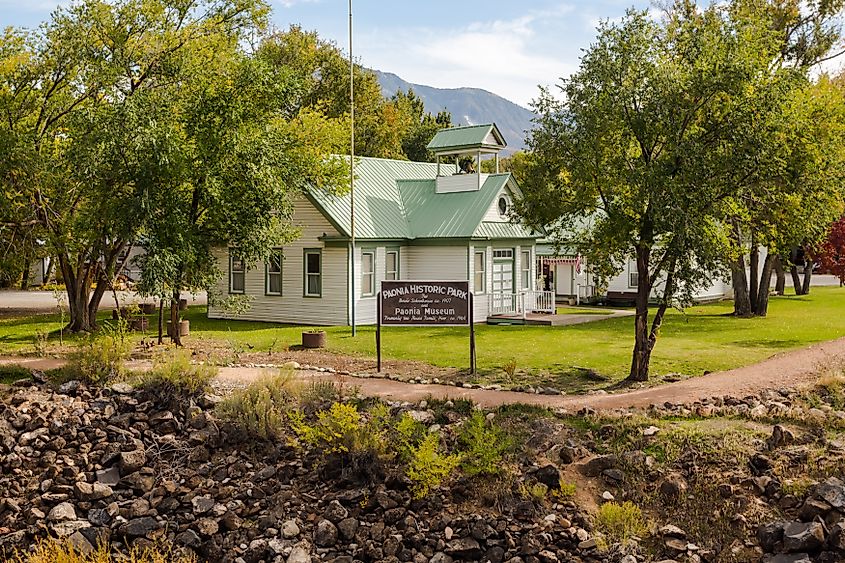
[99, 359]
[427, 468]
[261, 409]
[534, 491]
[409, 435]
[40, 342]
[341, 429]
[510, 367]
[483, 445]
[619, 523]
[174, 371]
[565, 492]
[53, 551]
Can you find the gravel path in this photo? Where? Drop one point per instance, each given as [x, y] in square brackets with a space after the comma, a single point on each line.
[796, 368]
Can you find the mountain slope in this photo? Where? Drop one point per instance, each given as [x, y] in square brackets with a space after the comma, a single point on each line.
[468, 106]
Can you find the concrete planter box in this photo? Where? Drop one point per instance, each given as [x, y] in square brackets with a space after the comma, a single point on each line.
[140, 324]
[316, 339]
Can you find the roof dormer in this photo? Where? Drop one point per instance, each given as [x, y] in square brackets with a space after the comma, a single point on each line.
[459, 142]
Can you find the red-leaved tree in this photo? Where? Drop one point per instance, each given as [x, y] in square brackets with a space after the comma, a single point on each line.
[831, 253]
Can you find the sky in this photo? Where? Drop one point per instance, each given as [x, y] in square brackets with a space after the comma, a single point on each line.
[507, 47]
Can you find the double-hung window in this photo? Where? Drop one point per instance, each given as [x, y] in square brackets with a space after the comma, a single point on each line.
[525, 269]
[237, 273]
[368, 273]
[480, 272]
[391, 265]
[313, 273]
[273, 283]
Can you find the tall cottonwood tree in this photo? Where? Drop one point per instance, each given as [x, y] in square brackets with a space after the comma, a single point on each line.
[79, 102]
[786, 200]
[639, 145]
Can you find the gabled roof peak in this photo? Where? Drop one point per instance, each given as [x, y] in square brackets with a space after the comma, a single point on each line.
[468, 138]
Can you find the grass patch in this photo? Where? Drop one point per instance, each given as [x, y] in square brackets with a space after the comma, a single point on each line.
[11, 373]
[620, 523]
[54, 551]
[701, 339]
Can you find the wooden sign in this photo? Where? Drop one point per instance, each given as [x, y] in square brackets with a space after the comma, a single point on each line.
[425, 303]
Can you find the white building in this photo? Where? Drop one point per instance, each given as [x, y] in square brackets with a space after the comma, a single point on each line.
[416, 221]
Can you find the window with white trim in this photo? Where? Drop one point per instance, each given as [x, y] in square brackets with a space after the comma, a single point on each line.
[479, 270]
[391, 265]
[273, 273]
[313, 273]
[368, 273]
[237, 274]
[633, 275]
[525, 269]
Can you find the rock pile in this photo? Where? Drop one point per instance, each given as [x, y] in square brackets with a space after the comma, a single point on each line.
[818, 533]
[116, 465]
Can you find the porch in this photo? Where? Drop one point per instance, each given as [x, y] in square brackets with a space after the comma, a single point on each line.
[539, 308]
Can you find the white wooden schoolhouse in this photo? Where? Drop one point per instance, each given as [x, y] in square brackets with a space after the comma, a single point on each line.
[413, 220]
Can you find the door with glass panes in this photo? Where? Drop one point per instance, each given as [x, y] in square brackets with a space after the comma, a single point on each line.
[504, 299]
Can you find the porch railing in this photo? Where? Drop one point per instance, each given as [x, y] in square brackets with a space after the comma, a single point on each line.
[521, 303]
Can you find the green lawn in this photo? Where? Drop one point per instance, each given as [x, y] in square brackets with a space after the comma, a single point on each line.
[701, 339]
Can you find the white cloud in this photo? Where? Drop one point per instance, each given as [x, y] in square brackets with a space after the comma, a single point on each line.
[500, 55]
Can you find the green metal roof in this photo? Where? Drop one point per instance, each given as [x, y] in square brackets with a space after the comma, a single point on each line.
[397, 200]
[466, 137]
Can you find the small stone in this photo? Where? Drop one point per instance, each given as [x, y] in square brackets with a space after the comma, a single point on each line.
[62, 513]
[299, 555]
[110, 476]
[207, 526]
[650, 431]
[607, 496]
[130, 462]
[335, 512]
[348, 527]
[289, 529]
[673, 486]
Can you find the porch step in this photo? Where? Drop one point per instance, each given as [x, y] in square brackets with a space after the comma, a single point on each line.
[505, 321]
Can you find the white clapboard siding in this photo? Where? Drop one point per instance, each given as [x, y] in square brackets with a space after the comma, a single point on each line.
[492, 215]
[440, 263]
[292, 306]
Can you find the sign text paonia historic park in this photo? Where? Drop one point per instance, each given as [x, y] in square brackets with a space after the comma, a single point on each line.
[425, 303]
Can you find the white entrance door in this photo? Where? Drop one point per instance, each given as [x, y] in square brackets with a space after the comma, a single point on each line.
[503, 298]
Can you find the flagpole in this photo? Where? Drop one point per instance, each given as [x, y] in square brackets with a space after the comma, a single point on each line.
[352, 169]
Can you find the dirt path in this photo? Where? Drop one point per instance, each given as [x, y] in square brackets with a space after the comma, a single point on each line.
[790, 369]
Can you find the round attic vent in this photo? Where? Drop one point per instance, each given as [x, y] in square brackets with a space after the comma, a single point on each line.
[504, 206]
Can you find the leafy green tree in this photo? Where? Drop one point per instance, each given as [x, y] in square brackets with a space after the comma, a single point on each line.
[785, 199]
[638, 146]
[84, 128]
[396, 128]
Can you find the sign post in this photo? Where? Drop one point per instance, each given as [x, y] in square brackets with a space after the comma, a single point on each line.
[425, 303]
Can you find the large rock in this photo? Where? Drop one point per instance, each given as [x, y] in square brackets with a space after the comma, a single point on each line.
[673, 486]
[325, 533]
[832, 492]
[88, 492]
[799, 537]
[139, 527]
[299, 555]
[62, 512]
[770, 535]
[594, 467]
[549, 476]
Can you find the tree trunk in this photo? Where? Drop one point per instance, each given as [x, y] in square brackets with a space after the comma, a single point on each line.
[175, 332]
[25, 276]
[808, 277]
[796, 279]
[742, 301]
[160, 322]
[780, 284]
[641, 356]
[754, 274]
[761, 306]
